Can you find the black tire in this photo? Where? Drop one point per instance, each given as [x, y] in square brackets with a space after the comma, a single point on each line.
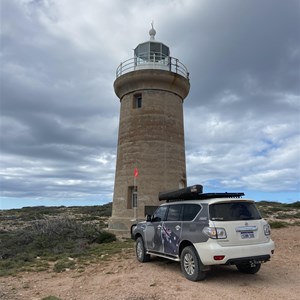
[248, 268]
[140, 250]
[191, 265]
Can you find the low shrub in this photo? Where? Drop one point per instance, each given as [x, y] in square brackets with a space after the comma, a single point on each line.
[278, 224]
[63, 264]
[105, 237]
[293, 205]
[43, 237]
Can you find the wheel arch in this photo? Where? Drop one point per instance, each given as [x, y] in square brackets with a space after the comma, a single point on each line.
[137, 235]
[131, 231]
[184, 244]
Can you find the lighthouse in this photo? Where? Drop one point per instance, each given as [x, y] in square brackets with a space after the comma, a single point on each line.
[151, 87]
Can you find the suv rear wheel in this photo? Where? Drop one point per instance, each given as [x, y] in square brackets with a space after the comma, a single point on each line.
[191, 265]
[140, 250]
[248, 269]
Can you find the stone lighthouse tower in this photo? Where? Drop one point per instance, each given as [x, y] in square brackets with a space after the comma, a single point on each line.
[151, 87]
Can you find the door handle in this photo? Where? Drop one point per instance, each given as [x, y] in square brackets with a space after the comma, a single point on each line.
[177, 227]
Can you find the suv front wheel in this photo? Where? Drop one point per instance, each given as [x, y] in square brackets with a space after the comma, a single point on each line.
[191, 265]
[140, 250]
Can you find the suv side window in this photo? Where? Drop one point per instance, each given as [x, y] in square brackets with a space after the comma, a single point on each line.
[159, 214]
[174, 213]
[190, 211]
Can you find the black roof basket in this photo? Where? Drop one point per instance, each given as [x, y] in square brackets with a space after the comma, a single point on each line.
[194, 192]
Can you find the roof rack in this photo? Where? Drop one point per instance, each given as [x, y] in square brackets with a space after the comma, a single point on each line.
[194, 192]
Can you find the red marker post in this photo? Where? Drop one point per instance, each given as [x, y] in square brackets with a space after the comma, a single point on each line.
[134, 195]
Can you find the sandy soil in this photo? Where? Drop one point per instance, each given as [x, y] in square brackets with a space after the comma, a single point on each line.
[125, 278]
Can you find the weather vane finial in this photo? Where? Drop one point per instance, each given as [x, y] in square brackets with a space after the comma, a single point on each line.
[152, 31]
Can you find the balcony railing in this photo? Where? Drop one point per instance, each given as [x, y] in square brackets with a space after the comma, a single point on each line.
[152, 61]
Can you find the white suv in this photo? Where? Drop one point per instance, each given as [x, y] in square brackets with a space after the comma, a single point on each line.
[204, 229]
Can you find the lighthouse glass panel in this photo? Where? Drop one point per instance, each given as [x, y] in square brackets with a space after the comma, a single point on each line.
[142, 51]
[165, 50]
[151, 52]
[155, 52]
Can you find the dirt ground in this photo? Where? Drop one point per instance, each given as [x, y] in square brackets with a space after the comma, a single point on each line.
[123, 277]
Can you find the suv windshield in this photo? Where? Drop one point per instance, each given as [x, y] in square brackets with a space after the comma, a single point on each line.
[233, 211]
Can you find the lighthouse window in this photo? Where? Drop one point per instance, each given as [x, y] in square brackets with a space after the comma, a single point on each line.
[132, 197]
[137, 101]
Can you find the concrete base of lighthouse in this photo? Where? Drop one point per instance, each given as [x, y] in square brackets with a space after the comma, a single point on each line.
[121, 226]
[123, 218]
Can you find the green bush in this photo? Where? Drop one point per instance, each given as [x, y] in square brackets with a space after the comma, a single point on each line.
[105, 237]
[293, 205]
[51, 237]
[39, 212]
[277, 224]
[63, 264]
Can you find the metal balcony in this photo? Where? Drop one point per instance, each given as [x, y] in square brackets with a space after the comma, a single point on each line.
[152, 61]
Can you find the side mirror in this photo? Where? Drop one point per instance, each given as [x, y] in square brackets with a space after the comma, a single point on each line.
[148, 218]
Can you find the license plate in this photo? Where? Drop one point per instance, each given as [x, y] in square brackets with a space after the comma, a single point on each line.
[247, 235]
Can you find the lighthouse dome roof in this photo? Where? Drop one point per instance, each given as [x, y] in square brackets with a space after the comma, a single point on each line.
[152, 33]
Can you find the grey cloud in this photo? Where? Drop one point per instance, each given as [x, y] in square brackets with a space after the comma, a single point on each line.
[59, 114]
[229, 39]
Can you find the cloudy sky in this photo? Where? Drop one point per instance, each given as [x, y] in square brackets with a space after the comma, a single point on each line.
[59, 113]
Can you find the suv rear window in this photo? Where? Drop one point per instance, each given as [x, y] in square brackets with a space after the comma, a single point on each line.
[233, 211]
